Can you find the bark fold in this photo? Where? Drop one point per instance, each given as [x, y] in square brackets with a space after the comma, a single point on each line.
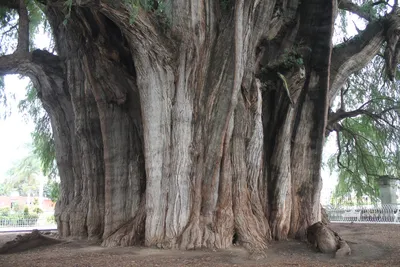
[191, 128]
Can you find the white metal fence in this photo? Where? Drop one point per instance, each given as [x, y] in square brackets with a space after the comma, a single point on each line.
[14, 222]
[365, 214]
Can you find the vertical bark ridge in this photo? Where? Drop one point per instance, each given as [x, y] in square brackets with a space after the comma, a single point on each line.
[122, 150]
[281, 180]
[181, 138]
[155, 98]
[87, 126]
[224, 221]
[193, 147]
[307, 181]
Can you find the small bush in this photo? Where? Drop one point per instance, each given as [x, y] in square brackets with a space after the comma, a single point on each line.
[5, 211]
[26, 211]
[37, 210]
[15, 220]
[51, 219]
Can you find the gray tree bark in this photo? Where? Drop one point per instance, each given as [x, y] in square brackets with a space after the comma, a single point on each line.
[183, 129]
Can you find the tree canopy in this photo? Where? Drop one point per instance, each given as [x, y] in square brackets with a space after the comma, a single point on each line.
[27, 175]
[365, 113]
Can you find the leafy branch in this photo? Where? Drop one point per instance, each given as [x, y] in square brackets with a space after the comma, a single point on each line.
[364, 11]
[367, 127]
[43, 142]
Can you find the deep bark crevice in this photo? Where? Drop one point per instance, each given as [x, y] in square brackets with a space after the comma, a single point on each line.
[196, 135]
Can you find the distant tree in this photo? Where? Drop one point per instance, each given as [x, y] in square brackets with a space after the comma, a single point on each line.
[24, 176]
[42, 140]
[52, 189]
[42, 135]
[4, 189]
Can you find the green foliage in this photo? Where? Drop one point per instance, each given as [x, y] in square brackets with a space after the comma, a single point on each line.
[374, 9]
[36, 16]
[37, 210]
[52, 189]
[16, 208]
[26, 211]
[68, 8]
[43, 142]
[4, 189]
[3, 97]
[6, 16]
[8, 30]
[23, 176]
[51, 219]
[9, 25]
[343, 20]
[369, 9]
[5, 211]
[9, 37]
[162, 8]
[18, 219]
[368, 143]
[292, 58]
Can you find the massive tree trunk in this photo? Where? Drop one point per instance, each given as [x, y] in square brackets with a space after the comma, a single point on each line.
[190, 125]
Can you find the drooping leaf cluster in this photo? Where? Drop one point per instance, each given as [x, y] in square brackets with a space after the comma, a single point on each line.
[42, 140]
[368, 143]
[42, 136]
[8, 30]
[31, 106]
[52, 189]
[9, 25]
[26, 177]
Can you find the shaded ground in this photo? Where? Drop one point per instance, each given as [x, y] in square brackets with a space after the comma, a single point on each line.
[372, 245]
[27, 241]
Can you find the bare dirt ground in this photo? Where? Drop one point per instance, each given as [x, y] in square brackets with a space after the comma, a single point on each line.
[371, 244]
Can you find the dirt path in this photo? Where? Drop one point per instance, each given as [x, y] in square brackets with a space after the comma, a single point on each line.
[372, 245]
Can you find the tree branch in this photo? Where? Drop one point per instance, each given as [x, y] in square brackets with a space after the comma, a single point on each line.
[35, 63]
[354, 54]
[392, 50]
[13, 4]
[11, 64]
[355, 9]
[339, 149]
[23, 29]
[380, 2]
[335, 117]
[13, 27]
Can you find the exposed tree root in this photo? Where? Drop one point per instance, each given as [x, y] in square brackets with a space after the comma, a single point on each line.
[27, 242]
[131, 233]
[325, 240]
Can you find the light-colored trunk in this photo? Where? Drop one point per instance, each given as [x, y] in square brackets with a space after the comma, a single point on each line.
[184, 136]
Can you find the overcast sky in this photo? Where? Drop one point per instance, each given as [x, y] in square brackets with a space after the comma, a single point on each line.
[14, 131]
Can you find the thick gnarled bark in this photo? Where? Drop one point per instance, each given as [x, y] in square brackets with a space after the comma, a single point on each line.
[185, 134]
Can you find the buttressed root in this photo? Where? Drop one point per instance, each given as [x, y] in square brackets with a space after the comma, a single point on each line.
[325, 240]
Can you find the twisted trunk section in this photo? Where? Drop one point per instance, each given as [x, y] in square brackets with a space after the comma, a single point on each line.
[184, 130]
